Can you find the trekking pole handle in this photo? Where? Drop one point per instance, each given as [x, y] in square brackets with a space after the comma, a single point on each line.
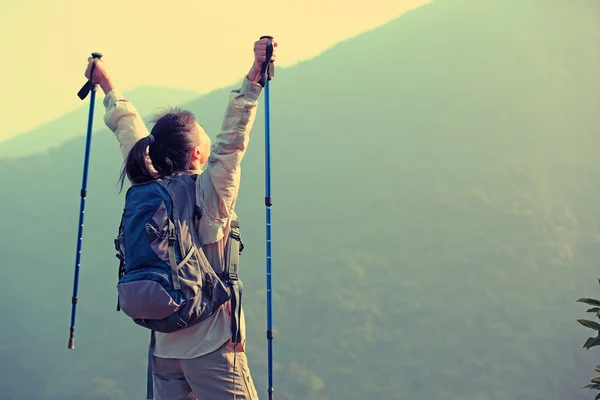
[267, 71]
[89, 86]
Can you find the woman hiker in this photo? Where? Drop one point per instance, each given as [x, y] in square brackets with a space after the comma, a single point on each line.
[196, 362]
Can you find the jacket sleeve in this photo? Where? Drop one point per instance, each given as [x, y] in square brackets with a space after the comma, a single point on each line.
[122, 118]
[219, 185]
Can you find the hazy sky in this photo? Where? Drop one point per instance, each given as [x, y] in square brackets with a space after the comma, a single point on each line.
[190, 44]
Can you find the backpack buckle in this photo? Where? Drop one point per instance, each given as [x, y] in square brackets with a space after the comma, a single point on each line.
[172, 235]
[234, 233]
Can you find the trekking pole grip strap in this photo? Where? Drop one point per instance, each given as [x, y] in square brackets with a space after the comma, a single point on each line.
[267, 70]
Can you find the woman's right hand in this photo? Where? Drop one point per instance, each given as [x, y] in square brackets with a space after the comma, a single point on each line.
[260, 57]
[101, 76]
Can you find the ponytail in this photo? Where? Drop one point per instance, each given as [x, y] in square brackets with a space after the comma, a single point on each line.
[165, 151]
[136, 166]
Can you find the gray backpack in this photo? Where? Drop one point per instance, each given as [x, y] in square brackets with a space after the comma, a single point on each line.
[165, 281]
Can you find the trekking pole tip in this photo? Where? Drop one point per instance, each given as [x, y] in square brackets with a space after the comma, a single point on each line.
[71, 345]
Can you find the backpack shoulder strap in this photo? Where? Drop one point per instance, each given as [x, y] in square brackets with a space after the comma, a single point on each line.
[182, 190]
[235, 247]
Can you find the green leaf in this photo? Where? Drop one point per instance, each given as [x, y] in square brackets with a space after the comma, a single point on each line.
[592, 386]
[595, 380]
[591, 342]
[589, 324]
[594, 309]
[597, 368]
[592, 302]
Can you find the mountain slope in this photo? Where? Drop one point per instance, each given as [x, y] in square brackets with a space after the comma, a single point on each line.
[435, 217]
[148, 100]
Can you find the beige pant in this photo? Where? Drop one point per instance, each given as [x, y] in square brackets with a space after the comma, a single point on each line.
[209, 377]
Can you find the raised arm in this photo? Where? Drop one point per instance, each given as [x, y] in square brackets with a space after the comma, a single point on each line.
[121, 117]
[228, 150]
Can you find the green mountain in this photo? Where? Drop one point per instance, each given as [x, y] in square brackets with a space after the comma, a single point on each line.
[435, 218]
[148, 100]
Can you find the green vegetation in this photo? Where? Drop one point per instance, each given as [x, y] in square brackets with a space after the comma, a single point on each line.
[595, 340]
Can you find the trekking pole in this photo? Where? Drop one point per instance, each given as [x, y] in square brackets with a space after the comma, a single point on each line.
[83, 92]
[267, 72]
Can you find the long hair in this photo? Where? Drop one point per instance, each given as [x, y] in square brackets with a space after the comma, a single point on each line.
[174, 136]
